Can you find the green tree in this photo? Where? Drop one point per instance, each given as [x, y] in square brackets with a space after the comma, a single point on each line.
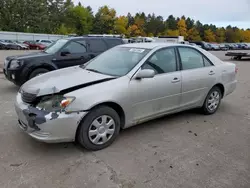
[181, 25]
[220, 35]
[170, 32]
[104, 20]
[189, 23]
[154, 25]
[55, 8]
[171, 23]
[131, 20]
[79, 20]
[193, 35]
[209, 36]
[120, 25]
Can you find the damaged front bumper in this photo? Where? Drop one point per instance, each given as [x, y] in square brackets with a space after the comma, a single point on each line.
[45, 126]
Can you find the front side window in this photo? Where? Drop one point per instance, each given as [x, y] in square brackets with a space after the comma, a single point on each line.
[117, 61]
[76, 47]
[190, 58]
[163, 61]
[55, 47]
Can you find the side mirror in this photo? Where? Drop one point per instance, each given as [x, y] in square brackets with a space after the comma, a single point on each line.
[65, 52]
[145, 73]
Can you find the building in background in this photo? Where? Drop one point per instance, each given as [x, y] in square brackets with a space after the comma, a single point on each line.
[18, 36]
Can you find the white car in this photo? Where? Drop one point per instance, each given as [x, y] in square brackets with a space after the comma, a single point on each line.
[122, 87]
[45, 42]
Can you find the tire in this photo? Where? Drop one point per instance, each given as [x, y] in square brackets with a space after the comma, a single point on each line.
[84, 138]
[37, 72]
[37, 48]
[206, 108]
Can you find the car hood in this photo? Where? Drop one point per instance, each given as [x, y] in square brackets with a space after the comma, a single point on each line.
[29, 56]
[63, 81]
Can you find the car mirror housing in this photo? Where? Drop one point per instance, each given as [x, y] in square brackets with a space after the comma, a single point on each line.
[145, 73]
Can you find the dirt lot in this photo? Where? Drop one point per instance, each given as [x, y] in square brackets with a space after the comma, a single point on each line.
[185, 150]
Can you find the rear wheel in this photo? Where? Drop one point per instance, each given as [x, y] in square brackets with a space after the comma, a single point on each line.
[212, 101]
[38, 72]
[99, 128]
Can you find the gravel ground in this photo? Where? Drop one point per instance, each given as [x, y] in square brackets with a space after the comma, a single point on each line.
[186, 150]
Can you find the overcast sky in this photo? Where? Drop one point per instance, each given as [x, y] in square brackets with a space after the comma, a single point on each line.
[218, 12]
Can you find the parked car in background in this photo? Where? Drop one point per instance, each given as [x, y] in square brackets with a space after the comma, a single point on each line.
[193, 44]
[35, 45]
[138, 82]
[16, 46]
[44, 42]
[214, 47]
[3, 45]
[229, 46]
[223, 47]
[203, 44]
[63, 53]
[244, 46]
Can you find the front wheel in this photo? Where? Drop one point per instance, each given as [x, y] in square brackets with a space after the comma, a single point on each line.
[38, 72]
[212, 101]
[99, 128]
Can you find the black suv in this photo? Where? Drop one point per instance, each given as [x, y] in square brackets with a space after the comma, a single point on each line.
[63, 53]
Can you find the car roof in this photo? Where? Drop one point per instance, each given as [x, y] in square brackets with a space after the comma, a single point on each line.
[152, 45]
[77, 38]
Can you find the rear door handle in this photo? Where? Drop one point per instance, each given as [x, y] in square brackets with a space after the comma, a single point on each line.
[175, 80]
[211, 72]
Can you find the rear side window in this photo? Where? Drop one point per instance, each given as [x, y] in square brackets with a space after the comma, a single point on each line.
[97, 45]
[190, 58]
[113, 42]
[207, 63]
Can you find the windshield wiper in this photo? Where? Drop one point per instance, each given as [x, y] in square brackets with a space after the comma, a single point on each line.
[93, 70]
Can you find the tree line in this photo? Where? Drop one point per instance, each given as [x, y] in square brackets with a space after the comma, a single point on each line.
[63, 17]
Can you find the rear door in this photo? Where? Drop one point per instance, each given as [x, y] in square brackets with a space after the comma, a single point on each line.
[77, 54]
[198, 76]
[96, 46]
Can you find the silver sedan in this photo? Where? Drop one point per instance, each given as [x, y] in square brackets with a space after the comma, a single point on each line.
[124, 86]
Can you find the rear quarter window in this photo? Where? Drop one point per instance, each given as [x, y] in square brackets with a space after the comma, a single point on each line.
[113, 42]
[97, 45]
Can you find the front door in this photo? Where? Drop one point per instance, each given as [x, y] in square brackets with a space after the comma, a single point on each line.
[160, 94]
[198, 76]
[74, 53]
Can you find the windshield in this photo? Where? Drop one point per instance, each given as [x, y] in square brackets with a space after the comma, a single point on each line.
[117, 61]
[54, 47]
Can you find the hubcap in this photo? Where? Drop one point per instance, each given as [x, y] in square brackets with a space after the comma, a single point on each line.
[213, 100]
[101, 130]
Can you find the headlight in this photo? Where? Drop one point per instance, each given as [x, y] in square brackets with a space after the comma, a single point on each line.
[54, 103]
[15, 64]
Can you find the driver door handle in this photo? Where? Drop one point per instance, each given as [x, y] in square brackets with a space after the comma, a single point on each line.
[211, 72]
[175, 80]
